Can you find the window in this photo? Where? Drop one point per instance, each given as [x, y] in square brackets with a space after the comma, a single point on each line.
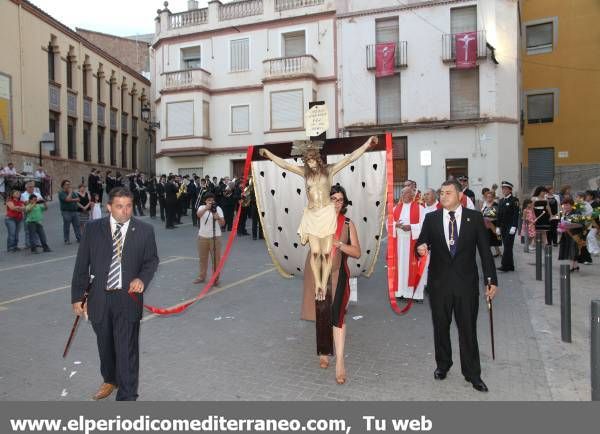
[100, 145]
[111, 89]
[190, 58]
[464, 93]
[84, 79]
[540, 108]
[206, 118]
[456, 167]
[239, 55]
[113, 148]
[134, 141]
[387, 30]
[539, 37]
[99, 87]
[294, 44]
[240, 119]
[287, 109]
[51, 68]
[123, 150]
[54, 127]
[71, 138]
[70, 72]
[87, 136]
[387, 91]
[180, 119]
[463, 19]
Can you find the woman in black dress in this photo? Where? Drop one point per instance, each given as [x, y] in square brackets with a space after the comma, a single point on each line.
[568, 247]
[542, 211]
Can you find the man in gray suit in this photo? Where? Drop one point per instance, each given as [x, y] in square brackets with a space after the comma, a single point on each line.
[120, 252]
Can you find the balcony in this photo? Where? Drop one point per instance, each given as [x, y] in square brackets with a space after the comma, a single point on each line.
[286, 5]
[188, 18]
[87, 109]
[401, 55]
[101, 114]
[449, 46]
[54, 96]
[113, 119]
[72, 103]
[240, 9]
[124, 123]
[289, 67]
[185, 79]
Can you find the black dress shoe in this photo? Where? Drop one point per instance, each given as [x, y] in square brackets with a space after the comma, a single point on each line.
[505, 269]
[440, 374]
[478, 384]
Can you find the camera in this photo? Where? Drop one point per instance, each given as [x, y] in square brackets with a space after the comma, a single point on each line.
[213, 208]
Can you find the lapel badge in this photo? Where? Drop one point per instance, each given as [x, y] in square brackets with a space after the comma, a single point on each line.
[468, 219]
[132, 228]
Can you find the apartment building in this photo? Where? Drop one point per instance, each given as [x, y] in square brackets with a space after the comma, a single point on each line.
[53, 80]
[445, 119]
[235, 74]
[561, 92]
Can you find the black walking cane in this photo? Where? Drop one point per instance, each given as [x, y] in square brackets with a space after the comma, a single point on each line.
[76, 323]
[491, 313]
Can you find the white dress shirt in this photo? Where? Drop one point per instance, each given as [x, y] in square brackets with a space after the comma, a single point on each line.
[446, 218]
[113, 228]
[206, 223]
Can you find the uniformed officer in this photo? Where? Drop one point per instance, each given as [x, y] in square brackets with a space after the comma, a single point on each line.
[508, 218]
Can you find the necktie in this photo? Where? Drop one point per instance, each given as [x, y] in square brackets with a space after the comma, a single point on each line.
[115, 264]
[452, 233]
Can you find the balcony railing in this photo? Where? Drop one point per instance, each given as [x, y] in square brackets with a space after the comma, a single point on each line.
[54, 97]
[188, 18]
[71, 103]
[101, 114]
[87, 110]
[185, 78]
[400, 59]
[124, 123]
[240, 9]
[284, 5]
[449, 46]
[113, 119]
[289, 66]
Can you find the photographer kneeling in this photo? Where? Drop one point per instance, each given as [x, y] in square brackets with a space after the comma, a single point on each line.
[210, 220]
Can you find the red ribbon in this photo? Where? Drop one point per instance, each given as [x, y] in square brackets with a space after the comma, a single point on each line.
[182, 307]
[392, 254]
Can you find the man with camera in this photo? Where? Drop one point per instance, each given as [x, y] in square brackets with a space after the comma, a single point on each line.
[210, 220]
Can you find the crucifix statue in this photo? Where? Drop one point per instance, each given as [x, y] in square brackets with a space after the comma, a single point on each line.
[319, 220]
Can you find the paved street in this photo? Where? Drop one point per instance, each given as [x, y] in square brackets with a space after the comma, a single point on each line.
[245, 341]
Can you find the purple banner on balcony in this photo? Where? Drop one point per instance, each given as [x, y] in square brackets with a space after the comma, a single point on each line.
[385, 59]
[466, 50]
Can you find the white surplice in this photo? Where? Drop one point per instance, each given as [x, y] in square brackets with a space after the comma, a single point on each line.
[403, 239]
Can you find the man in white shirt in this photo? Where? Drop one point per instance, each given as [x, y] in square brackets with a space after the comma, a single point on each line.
[210, 219]
[430, 201]
[408, 218]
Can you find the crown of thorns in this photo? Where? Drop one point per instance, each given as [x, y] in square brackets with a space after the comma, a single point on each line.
[301, 147]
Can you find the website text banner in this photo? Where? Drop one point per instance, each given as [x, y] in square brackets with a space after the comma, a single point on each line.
[307, 417]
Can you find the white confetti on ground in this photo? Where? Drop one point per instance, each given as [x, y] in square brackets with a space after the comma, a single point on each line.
[357, 317]
[64, 393]
[229, 317]
[72, 373]
[218, 318]
[64, 368]
[77, 362]
[290, 339]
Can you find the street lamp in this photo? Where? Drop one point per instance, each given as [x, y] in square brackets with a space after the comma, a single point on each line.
[146, 118]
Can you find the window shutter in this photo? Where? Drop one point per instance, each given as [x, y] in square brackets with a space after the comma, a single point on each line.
[387, 30]
[388, 99]
[539, 35]
[464, 93]
[287, 110]
[541, 166]
[294, 44]
[180, 119]
[190, 58]
[240, 119]
[463, 19]
[540, 108]
[240, 54]
[206, 118]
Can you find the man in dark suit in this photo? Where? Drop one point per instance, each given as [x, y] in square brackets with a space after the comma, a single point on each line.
[452, 235]
[171, 189]
[120, 252]
[507, 222]
[464, 182]
[160, 193]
